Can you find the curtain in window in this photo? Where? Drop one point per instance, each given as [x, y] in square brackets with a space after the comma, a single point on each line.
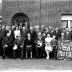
[64, 24]
[71, 23]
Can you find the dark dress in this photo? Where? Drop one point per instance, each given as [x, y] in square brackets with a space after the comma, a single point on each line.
[39, 48]
[28, 44]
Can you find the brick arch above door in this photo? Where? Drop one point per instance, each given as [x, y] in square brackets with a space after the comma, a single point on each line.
[20, 18]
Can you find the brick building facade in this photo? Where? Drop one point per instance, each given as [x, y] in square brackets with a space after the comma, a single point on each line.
[0, 11]
[47, 12]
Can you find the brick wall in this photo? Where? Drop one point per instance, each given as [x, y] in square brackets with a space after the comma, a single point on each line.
[48, 13]
[0, 12]
[0, 8]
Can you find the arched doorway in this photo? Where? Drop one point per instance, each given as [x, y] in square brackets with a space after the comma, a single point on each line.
[20, 18]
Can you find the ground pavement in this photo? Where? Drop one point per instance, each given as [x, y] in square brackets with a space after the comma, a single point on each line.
[34, 64]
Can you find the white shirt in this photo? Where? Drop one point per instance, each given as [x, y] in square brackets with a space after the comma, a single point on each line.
[48, 40]
[8, 34]
[17, 33]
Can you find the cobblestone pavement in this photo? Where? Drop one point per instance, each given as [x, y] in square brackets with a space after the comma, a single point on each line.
[34, 64]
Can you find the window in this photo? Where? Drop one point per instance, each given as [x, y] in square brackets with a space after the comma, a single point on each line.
[66, 21]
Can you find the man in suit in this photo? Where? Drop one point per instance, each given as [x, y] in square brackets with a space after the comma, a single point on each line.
[19, 42]
[1, 40]
[62, 38]
[33, 35]
[50, 29]
[3, 35]
[57, 33]
[54, 44]
[20, 27]
[7, 43]
[24, 34]
[67, 34]
[71, 33]
[42, 28]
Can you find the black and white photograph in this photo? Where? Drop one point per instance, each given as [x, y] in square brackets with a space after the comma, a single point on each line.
[35, 35]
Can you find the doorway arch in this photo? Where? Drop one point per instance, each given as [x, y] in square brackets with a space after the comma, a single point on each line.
[20, 18]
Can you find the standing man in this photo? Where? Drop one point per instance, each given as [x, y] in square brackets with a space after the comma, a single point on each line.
[57, 33]
[18, 44]
[67, 34]
[54, 45]
[33, 35]
[20, 27]
[7, 43]
[71, 33]
[1, 40]
[3, 35]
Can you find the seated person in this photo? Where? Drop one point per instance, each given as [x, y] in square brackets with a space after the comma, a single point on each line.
[18, 44]
[39, 45]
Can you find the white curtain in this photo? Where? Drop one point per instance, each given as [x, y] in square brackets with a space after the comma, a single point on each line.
[64, 23]
[71, 23]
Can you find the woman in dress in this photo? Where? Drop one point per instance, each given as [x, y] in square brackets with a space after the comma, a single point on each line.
[39, 45]
[28, 45]
[48, 47]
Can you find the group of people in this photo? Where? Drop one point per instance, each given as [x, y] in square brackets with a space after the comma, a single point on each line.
[33, 42]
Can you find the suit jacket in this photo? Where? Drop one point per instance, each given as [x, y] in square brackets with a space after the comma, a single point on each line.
[61, 39]
[4, 33]
[7, 41]
[1, 35]
[38, 40]
[19, 41]
[57, 34]
[54, 42]
[71, 34]
[23, 34]
[33, 35]
[67, 35]
[28, 42]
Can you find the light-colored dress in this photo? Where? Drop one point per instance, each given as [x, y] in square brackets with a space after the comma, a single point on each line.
[48, 43]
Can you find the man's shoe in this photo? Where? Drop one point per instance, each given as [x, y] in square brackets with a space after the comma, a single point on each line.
[47, 57]
[3, 57]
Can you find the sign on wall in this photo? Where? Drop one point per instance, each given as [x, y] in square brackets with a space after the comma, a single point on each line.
[64, 50]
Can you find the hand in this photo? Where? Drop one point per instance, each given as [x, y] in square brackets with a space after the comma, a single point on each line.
[6, 45]
[52, 47]
[15, 47]
[21, 46]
